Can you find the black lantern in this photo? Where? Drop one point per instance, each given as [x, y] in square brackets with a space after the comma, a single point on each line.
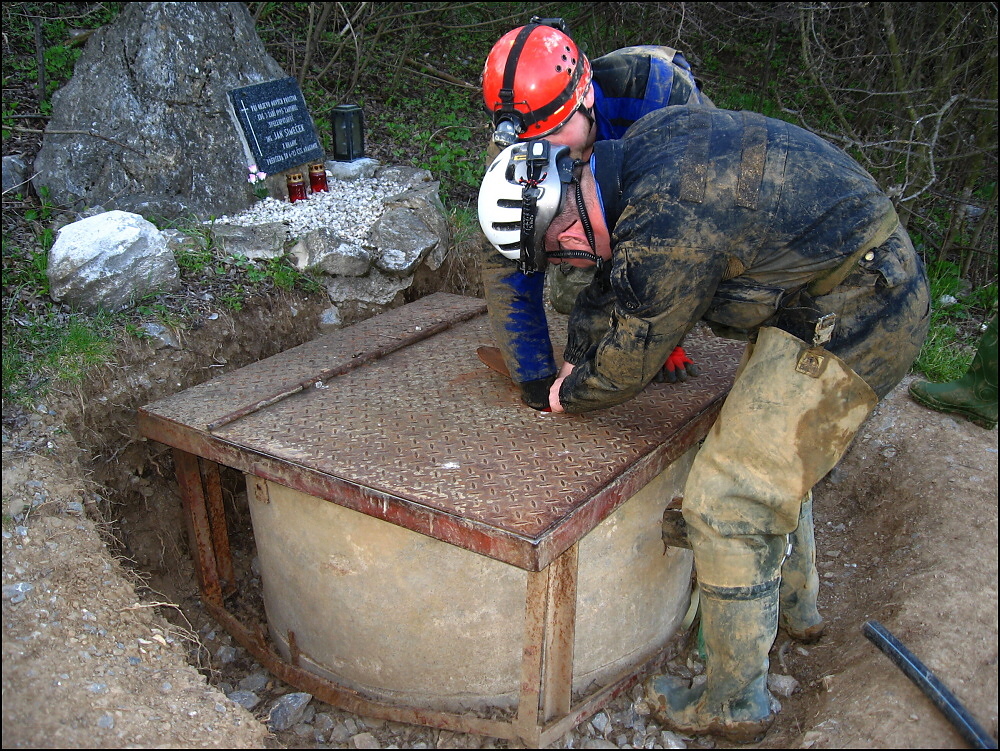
[348, 132]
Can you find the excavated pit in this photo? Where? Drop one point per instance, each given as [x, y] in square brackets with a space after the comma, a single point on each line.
[879, 520]
[134, 478]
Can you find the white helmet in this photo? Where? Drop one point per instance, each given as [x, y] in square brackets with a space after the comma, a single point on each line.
[520, 196]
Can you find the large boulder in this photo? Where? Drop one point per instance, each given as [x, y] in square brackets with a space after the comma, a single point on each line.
[151, 89]
[109, 261]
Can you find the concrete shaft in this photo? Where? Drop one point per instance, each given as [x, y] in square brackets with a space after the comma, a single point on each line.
[416, 621]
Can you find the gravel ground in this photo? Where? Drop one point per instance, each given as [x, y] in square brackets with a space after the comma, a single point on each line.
[86, 663]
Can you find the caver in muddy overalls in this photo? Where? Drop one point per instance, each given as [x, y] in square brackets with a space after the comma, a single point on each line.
[535, 79]
[767, 233]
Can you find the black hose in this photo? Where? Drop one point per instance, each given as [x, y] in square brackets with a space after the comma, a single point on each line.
[936, 691]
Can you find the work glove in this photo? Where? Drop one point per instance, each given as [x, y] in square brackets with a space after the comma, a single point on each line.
[678, 367]
[536, 393]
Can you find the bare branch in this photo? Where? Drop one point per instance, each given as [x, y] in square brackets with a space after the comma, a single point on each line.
[440, 75]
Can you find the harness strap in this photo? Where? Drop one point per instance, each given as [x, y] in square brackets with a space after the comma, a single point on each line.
[507, 90]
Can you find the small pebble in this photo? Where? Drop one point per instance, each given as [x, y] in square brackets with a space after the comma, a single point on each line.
[601, 723]
[669, 739]
[365, 740]
[287, 711]
[17, 592]
[782, 685]
[254, 682]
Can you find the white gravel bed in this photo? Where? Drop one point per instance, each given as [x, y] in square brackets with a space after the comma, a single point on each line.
[349, 208]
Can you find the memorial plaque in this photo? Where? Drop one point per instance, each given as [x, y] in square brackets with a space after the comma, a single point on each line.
[276, 125]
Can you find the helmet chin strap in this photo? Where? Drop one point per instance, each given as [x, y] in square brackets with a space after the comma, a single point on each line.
[583, 255]
[588, 230]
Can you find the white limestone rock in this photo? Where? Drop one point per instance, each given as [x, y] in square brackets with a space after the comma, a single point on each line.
[110, 261]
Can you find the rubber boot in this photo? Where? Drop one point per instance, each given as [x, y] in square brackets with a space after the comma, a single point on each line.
[798, 615]
[738, 626]
[974, 395]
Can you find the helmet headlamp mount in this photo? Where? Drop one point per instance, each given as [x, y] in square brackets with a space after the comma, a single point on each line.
[537, 164]
[555, 23]
[508, 130]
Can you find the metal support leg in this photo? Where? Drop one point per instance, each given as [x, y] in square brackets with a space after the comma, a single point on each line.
[212, 482]
[201, 494]
[549, 636]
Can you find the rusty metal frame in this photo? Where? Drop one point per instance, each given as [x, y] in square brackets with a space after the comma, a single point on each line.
[530, 554]
[545, 710]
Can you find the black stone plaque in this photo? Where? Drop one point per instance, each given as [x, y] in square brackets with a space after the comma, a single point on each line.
[277, 125]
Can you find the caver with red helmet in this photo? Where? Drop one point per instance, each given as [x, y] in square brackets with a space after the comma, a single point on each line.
[574, 101]
[534, 80]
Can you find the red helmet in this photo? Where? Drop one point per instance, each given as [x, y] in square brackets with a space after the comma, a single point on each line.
[535, 78]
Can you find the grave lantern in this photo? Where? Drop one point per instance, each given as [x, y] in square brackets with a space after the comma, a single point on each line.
[348, 132]
[317, 178]
[296, 187]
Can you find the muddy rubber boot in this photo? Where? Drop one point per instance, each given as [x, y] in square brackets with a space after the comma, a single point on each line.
[738, 625]
[974, 395]
[798, 615]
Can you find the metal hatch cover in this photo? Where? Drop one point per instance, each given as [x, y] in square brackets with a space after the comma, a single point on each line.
[413, 428]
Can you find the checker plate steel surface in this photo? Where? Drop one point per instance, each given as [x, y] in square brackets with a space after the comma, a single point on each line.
[425, 421]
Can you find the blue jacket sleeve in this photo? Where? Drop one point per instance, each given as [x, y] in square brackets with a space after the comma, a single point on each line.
[517, 317]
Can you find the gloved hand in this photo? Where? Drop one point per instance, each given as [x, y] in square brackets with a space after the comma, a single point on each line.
[536, 393]
[678, 367]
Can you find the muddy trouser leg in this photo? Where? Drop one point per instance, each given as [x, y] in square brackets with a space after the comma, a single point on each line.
[565, 284]
[779, 432]
[797, 612]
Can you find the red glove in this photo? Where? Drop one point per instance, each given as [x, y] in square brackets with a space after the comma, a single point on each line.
[678, 367]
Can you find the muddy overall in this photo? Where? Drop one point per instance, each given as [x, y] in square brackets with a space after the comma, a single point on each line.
[792, 413]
